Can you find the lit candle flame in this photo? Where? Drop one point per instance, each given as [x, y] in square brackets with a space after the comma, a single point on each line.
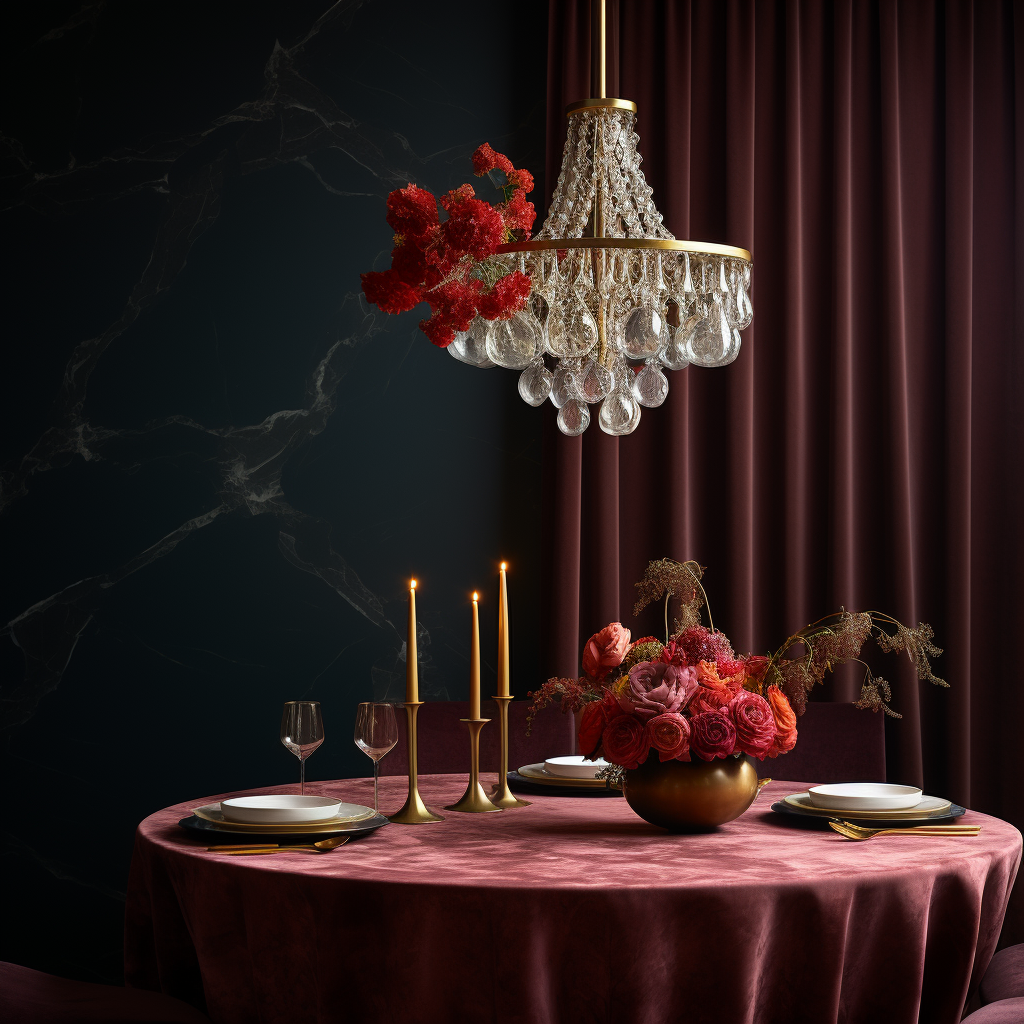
[503, 566]
[476, 596]
[412, 584]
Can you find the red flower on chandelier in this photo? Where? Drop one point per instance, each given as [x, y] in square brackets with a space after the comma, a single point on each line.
[440, 262]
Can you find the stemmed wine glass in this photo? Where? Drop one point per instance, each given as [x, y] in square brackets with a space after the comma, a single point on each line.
[375, 734]
[302, 731]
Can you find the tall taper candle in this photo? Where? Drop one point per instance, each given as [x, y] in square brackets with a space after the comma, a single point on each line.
[474, 662]
[503, 676]
[412, 678]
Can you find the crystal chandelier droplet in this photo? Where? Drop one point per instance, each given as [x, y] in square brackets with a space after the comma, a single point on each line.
[615, 297]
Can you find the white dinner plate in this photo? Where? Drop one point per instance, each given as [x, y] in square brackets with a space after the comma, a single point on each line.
[926, 807]
[574, 766]
[279, 809]
[346, 813]
[865, 796]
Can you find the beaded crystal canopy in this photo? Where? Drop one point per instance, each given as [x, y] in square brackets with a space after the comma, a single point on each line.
[616, 299]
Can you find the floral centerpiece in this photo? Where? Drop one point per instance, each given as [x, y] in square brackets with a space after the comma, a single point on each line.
[692, 698]
[447, 263]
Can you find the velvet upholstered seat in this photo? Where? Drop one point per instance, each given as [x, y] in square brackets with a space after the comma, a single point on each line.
[31, 997]
[1004, 978]
[443, 741]
[836, 743]
[1006, 1011]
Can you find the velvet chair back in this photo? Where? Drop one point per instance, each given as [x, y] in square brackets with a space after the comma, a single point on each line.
[444, 740]
[836, 743]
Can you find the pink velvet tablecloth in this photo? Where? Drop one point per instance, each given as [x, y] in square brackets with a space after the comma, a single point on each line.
[570, 910]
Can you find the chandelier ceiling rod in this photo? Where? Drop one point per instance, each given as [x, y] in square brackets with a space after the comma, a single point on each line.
[598, 48]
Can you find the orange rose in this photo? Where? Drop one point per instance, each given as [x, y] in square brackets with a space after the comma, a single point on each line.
[785, 722]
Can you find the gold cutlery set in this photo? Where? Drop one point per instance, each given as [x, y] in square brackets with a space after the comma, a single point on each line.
[858, 833]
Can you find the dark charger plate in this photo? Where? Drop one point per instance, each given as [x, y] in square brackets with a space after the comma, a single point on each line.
[210, 833]
[821, 820]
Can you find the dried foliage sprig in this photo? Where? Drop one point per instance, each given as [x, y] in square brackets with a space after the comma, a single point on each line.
[839, 638]
[613, 774]
[666, 578]
[573, 694]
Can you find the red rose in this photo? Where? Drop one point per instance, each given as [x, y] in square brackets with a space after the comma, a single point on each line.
[785, 722]
[592, 725]
[605, 650]
[625, 741]
[755, 723]
[712, 735]
[670, 736]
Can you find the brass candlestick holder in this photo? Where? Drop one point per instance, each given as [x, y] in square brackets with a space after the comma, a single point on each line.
[501, 795]
[474, 800]
[415, 810]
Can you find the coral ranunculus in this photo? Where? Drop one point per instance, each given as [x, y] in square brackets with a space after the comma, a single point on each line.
[625, 741]
[712, 735]
[755, 723]
[670, 736]
[716, 691]
[605, 650]
[785, 722]
[655, 688]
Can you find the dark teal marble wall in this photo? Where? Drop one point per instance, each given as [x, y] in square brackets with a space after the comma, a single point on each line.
[220, 467]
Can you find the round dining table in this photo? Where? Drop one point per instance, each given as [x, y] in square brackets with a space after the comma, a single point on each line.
[568, 911]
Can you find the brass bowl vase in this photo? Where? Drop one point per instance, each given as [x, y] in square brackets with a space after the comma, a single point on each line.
[690, 796]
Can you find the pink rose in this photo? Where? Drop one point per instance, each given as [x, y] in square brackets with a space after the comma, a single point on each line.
[670, 736]
[625, 741]
[712, 735]
[655, 688]
[755, 723]
[605, 650]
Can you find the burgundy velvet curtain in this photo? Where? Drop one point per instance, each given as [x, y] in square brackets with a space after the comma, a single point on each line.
[866, 449]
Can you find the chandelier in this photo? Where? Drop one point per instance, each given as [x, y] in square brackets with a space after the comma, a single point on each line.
[615, 298]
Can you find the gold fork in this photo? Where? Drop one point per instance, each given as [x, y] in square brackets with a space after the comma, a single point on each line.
[324, 846]
[858, 832]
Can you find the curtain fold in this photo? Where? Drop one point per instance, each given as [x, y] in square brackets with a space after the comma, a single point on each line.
[866, 449]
